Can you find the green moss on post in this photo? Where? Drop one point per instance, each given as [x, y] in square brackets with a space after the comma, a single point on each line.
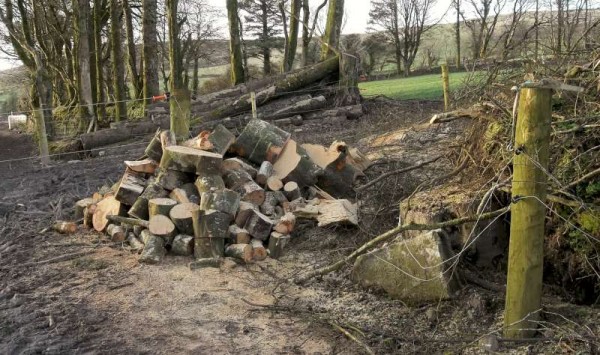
[180, 104]
[526, 253]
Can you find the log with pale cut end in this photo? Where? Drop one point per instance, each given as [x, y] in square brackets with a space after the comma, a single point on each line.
[205, 262]
[162, 226]
[160, 206]
[268, 207]
[183, 245]
[64, 227]
[185, 194]
[241, 252]
[264, 172]
[294, 164]
[107, 207]
[199, 142]
[241, 182]
[277, 243]
[286, 224]
[172, 179]
[226, 200]
[245, 211]
[291, 190]
[181, 215]
[239, 235]
[209, 183]
[274, 183]
[221, 139]
[154, 149]
[190, 160]
[211, 228]
[258, 225]
[239, 164]
[135, 244]
[80, 207]
[116, 233]
[140, 207]
[88, 215]
[261, 141]
[97, 197]
[258, 249]
[337, 212]
[154, 249]
[130, 188]
[146, 166]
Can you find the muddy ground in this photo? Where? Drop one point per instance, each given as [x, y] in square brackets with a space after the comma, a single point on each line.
[101, 300]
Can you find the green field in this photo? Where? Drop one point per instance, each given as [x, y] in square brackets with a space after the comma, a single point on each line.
[424, 87]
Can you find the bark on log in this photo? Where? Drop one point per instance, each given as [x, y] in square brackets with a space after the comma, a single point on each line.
[294, 120]
[241, 182]
[80, 207]
[264, 172]
[183, 245]
[160, 206]
[226, 201]
[64, 227]
[274, 183]
[350, 112]
[295, 165]
[286, 224]
[260, 141]
[259, 253]
[129, 221]
[154, 149]
[291, 190]
[161, 226]
[277, 243]
[241, 252]
[239, 235]
[221, 139]
[268, 207]
[187, 193]
[130, 188]
[108, 206]
[258, 225]
[338, 175]
[154, 250]
[239, 164]
[209, 183]
[140, 207]
[205, 262]
[211, 228]
[172, 179]
[146, 166]
[167, 139]
[135, 244]
[116, 233]
[129, 130]
[297, 108]
[190, 160]
[245, 211]
[181, 215]
[88, 215]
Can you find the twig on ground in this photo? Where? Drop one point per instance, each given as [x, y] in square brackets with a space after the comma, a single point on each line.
[396, 172]
[352, 337]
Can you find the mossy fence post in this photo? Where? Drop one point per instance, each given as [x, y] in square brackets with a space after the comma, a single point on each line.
[446, 86]
[526, 250]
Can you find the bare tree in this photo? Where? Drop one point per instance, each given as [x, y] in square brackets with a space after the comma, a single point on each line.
[483, 26]
[308, 28]
[235, 43]
[333, 28]
[150, 49]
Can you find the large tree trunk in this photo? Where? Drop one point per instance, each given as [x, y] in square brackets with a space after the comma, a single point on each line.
[235, 44]
[118, 69]
[136, 79]
[333, 29]
[86, 109]
[457, 31]
[150, 50]
[305, 32]
[266, 49]
[195, 79]
[292, 43]
[100, 97]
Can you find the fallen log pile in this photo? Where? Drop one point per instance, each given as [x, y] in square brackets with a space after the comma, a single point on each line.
[218, 195]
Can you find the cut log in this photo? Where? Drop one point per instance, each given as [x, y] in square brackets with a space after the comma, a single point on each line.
[107, 207]
[239, 164]
[199, 142]
[241, 252]
[183, 245]
[160, 206]
[245, 211]
[265, 171]
[187, 193]
[116, 233]
[226, 201]
[128, 221]
[64, 227]
[274, 183]
[135, 244]
[294, 120]
[209, 183]
[358, 159]
[258, 225]
[261, 141]
[205, 262]
[140, 207]
[88, 215]
[154, 250]
[277, 243]
[349, 112]
[161, 226]
[291, 191]
[268, 207]
[337, 212]
[259, 251]
[145, 236]
[279, 197]
[172, 179]
[241, 182]
[103, 138]
[299, 107]
[154, 149]
[146, 166]
[221, 139]
[295, 165]
[211, 228]
[167, 139]
[130, 188]
[181, 215]
[80, 207]
[239, 235]
[286, 224]
[190, 160]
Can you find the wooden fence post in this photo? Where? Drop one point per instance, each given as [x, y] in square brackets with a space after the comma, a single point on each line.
[526, 250]
[446, 86]
[180, 104]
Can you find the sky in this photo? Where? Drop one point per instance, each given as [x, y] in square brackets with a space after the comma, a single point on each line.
[357, 12]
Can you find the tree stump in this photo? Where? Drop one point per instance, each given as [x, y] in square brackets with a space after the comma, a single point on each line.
[160, 206]
[190, 160]
[181, 215]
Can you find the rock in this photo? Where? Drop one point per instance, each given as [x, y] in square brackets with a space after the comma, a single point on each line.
[411, 270]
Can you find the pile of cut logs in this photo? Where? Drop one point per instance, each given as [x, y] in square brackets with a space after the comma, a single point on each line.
[216, 195]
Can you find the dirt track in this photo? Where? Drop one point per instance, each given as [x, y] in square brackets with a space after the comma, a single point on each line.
[105, 302]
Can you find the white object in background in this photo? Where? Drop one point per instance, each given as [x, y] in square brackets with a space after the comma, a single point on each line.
[14, 120]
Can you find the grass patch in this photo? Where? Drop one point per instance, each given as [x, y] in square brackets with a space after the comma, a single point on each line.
[424, 87]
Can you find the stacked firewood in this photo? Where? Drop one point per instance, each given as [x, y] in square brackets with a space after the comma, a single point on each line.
[216, 195]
